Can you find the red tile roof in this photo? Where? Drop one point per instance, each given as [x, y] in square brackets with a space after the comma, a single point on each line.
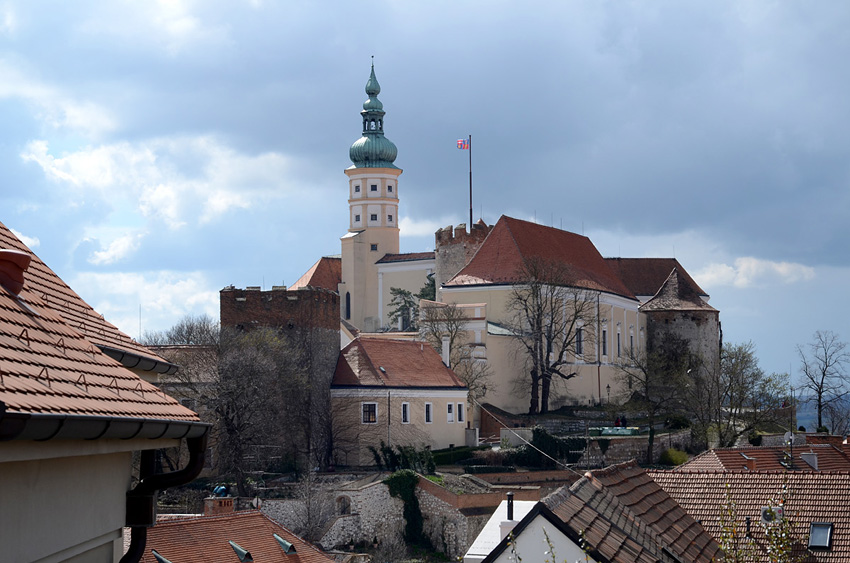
[326, 273]
[78, 314]
[829, 458]
[50, 366]
[645, 276]
[512, 242]
[405, 363]
[628, 517]
[676, 295]
[406, 257]
[205, 539]
[814, 497]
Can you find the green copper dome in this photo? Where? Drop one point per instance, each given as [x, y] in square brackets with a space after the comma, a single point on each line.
[372, 149]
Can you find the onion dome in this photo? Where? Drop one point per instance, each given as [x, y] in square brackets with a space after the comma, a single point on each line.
[373, 149]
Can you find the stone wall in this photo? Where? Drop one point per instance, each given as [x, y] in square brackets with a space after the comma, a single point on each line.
[625, 448]
[454, 248]
[279, 308]
[700, 328]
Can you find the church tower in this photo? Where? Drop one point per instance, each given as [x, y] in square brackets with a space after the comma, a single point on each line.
[373, 214]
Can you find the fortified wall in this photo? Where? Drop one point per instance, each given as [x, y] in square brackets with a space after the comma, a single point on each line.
[279, 308]
[454, 248]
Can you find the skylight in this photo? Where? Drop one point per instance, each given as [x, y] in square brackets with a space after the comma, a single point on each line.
[820, 535]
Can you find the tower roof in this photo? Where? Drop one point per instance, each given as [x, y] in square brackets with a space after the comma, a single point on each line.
[373, 149]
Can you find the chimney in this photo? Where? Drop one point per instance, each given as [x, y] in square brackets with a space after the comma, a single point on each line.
[214, 506]
[750, 463]
[446, 350]
[13, 264]
[505, 526]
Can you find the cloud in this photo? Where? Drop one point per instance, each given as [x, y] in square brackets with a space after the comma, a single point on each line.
[425, 227]
[164, 297]
[52, 106]
[118, 249]
[31, 242]
[753, 272]
[170, 179]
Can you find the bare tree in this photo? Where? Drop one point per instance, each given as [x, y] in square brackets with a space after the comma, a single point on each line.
[447, 321]
[549, 316]
[191, 330]
[657, 380]
[823, 365]
[314, 509]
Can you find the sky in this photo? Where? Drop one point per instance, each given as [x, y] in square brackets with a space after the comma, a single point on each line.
[154, 152]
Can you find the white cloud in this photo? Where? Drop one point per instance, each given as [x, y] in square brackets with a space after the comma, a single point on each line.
[53, 107]
[164, 297]
[119, 248]
[753, 272]
[417, 228]
[8, 20]
[171, 179]
[31, 242]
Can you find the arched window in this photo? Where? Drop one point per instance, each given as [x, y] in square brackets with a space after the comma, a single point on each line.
[347, 305]
[343, 505]
[372, 125]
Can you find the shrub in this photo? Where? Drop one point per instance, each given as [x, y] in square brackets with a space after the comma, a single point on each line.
[672, 456]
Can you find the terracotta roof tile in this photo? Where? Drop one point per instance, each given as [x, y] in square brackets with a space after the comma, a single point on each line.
[205, 539]
[769, 458]
[814, 497]
[405, 363]
[326, 273]
[676, 295]
[645, 276]
[43, 282]
[512, 241]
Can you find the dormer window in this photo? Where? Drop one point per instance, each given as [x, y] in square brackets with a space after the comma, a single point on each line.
[820, 535]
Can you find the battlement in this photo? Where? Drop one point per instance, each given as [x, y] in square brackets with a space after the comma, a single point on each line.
[308, 307]
[458, 234]
[454, 248]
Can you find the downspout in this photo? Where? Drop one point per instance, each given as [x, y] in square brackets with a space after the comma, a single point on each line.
[141, 501]
[389, 411]
[598, 352]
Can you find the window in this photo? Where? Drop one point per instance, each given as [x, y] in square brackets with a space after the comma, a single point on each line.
[390, 189]
[374, 187]
[428, 418]
[357, 189]
[357, 218]
[460, 409]
[820, 535]
[389, 218]
[370, 413]
[374, 248]
[631, 341]
[618, 345]
[604, 341]
[373, 217]
[579, 342]
[347, 305]
[405, 413]
[450, 415]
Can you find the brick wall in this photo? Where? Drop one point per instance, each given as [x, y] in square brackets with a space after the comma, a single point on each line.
[454, 248]
[279, 308]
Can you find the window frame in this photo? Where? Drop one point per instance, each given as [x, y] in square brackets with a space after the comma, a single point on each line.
[373, 187]
[830, 528]
[461, 407]
[450, 413]
[363, 405]
[405, 413]
[604, 341]
[429, 413]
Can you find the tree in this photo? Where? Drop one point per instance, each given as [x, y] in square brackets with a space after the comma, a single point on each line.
[823, 363]
[737, 397]
[191, 330]
[657, 380]
[548, 316]
[404, 306]
[442, 321]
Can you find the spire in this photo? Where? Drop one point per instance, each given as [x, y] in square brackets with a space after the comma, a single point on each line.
[372, 149]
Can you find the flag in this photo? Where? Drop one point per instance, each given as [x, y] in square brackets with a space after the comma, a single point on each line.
[463, 144]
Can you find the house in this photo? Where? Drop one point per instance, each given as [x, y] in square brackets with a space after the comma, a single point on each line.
[71, 419]
[617, 514]
[804, 457]
[396, 391]
[233, 537]
[815, 506]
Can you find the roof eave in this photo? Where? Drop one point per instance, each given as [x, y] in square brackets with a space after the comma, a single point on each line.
[132, 360]
[43, 427]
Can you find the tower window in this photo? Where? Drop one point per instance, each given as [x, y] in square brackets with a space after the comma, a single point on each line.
[389, 218]
[347, 305]
[374, 248]
[604, 342]
[373, 217]
[390, 189]
[374, 187]
[357, 218]
[356, 189]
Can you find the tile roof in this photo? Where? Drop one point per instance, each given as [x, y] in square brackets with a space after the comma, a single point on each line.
[205, 539]
[405, 363]
[49, 365]
[676, 295]
[78, 314]
[814, 497]
[645, 276]
[406, 257]
[628, 517]
[326, 273]
[513, 241]
[829, 458]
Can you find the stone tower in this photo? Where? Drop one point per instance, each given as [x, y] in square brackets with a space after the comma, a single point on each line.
[373, 214]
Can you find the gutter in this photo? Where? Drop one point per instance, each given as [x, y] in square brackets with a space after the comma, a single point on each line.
[136, 361]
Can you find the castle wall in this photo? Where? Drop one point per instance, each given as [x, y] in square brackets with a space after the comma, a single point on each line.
[454, 248]
[700, 328]
[279, 308]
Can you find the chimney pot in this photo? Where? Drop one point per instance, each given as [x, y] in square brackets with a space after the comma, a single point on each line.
[13, 264]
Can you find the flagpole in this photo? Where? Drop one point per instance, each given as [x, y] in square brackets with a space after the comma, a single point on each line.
[470, 183]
